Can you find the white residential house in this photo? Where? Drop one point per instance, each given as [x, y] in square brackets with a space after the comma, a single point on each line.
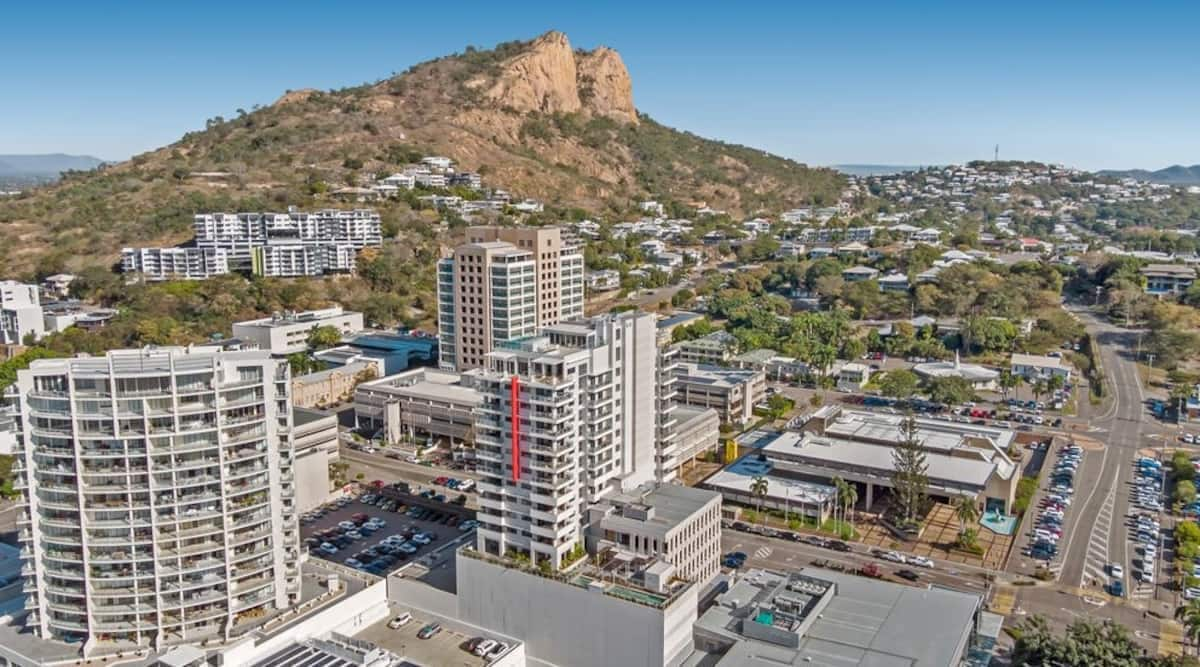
[856, 274]
[1035, 367]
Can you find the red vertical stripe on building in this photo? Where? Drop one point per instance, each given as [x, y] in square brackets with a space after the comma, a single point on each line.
[514, 390]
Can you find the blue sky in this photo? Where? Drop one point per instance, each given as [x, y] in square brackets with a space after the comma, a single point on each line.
[1092, 84]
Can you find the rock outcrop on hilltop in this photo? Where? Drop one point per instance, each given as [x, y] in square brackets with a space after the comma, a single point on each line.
[551, 77]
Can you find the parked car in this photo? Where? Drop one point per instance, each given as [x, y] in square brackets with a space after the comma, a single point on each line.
[484, 646]
[429, 631]
[400, 621]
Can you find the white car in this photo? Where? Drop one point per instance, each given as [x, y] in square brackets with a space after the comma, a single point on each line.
[1191, 594]
[1116, 570]
[400, 621]
[485, 646]
[921, 561]
[498, 650]
[894, 556]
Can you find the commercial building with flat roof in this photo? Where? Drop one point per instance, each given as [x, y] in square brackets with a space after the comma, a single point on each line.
[820, 617]
[731, 392]
[962, 459]
[285, 333]
[679, 524]
[422, 402]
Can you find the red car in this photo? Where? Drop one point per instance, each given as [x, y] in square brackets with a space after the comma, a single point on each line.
[359, 518]
[441, 481]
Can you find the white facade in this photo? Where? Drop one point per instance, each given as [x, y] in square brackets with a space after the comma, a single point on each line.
[158, 495]
[175, 263]
[20, 313]
[269, 244]
[287, 333]
[565, 419]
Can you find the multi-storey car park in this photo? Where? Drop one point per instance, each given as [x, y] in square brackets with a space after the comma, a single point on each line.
[158, 496]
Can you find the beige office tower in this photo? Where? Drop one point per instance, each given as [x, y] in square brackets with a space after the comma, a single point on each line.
[505, 283]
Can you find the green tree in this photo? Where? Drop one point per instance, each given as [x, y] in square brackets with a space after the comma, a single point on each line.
[967, 512]
[1007, 381]
[1189, 615]
[910, 475]
[899, 383]
[950, 390]
[758, 488]
[1086, 643]
[323, 337]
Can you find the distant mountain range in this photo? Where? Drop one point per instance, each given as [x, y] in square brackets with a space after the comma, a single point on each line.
[1173, 175]
[44, 166]
[874, 169]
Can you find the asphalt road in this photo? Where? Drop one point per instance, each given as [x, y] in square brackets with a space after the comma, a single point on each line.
[780, 554]
[1101, 534]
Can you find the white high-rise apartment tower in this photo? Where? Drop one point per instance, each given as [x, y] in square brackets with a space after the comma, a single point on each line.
[505, 283]
[158, 496]
[567, 417]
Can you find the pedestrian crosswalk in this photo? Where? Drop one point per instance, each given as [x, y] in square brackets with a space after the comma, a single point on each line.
[763, 552]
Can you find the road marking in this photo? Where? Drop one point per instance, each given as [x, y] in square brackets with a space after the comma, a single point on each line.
[763, 552]
[1096, 563]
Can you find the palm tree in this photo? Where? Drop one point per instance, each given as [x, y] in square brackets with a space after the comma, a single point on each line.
[839, 485]
[1190, 617]
[967, 512]
[1039, 389]
[1008, 381]
[758, 487]
[1017, 381]
[851, 501]
[1054, 383]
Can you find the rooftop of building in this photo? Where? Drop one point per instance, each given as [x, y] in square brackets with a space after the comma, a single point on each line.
[971, 372]
[686, 414]
[816, 616]
[739, 476]
[1176, 270]
[759, 356]
[426, 382]
[304, 416]
[612, 571]
[351, 368]
[717, 340]
[147, 360]
[293, 318]
[677, 318]
[1037, 361]
[716, 376]
[658, 508]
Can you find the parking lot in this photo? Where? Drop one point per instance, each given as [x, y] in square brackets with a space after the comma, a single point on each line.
[407, 533]
[1051, 507]
[447, 647]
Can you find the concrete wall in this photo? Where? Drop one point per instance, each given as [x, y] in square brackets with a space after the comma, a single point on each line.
[567, 625]
[347, 616]
[312, 478]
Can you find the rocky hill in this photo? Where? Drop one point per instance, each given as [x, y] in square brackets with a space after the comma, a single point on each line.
[538, 118]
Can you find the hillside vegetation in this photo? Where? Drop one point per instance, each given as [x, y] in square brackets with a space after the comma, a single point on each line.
[537, 118]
